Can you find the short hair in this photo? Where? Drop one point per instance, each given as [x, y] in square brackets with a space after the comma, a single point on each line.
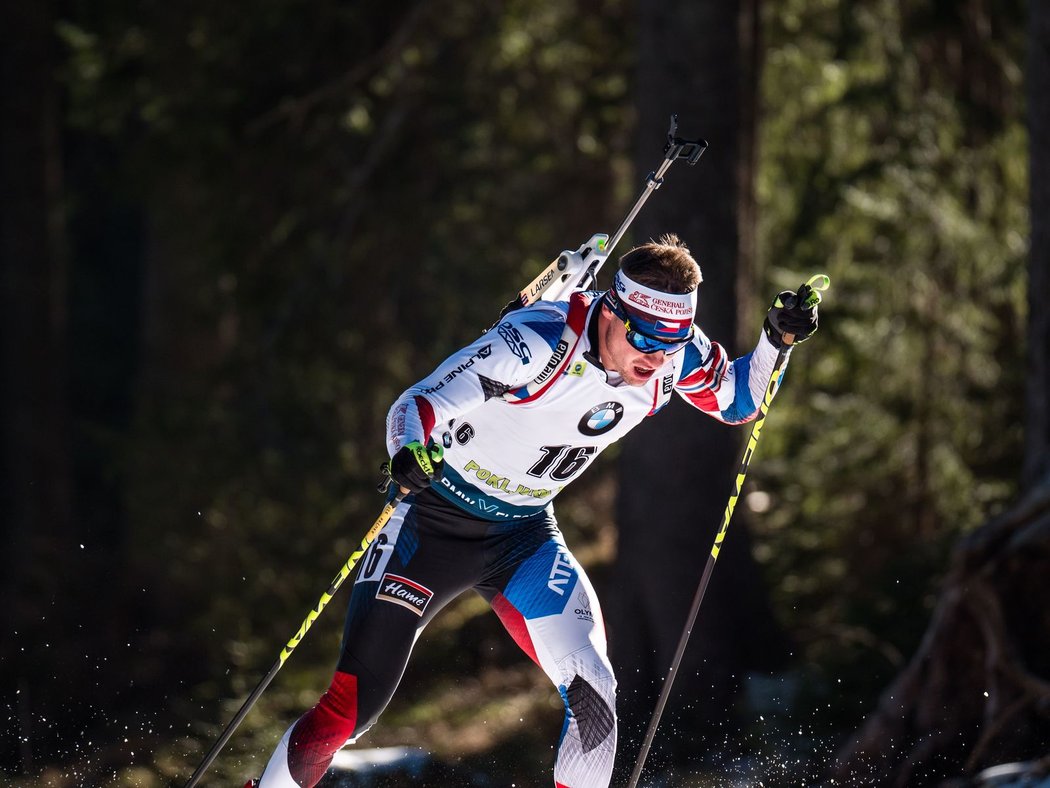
[664, 264]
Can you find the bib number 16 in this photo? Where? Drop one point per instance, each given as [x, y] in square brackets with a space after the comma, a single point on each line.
[562, 462]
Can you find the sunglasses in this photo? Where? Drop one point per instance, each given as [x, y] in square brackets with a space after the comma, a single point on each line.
[646, 343]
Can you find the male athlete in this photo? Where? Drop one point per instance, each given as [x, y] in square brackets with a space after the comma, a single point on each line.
[519, 414]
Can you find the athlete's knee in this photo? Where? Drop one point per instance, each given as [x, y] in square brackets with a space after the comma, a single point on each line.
[590, 698]
[588, 745]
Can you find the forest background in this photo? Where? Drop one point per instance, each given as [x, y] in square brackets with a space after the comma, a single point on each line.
[231, 236]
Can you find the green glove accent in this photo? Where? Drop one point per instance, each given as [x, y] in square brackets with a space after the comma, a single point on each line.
[813, 288]
[414, 466]
[426, 459]
[794, 315]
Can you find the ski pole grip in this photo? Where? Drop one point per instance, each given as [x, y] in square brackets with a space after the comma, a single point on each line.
[810, 293]
[815, 285]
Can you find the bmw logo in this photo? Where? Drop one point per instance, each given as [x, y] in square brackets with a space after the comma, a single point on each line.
[601, 418]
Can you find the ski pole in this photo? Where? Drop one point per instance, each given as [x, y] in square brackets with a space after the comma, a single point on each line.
[816, 284]
[308, 622]
[579, 270]
[676, 148]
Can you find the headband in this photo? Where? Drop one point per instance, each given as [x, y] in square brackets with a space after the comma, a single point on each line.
[657, 313]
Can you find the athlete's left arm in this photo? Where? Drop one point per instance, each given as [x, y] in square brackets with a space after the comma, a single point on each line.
[728, 389]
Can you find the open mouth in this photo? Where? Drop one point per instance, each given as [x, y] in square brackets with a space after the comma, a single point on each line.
[643, 372]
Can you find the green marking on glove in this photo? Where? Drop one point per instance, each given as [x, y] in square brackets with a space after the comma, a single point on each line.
[422, 458]
[807, 293]
[816, 284]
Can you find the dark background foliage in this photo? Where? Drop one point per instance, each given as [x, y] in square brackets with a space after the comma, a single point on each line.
[232, 235]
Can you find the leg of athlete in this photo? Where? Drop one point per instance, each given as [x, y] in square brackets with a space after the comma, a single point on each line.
[546, 602]
[415, 567]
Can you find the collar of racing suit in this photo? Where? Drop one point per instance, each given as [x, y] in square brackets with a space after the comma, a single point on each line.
[591, 354]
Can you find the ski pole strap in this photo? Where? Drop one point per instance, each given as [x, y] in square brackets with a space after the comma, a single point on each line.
[815, 285]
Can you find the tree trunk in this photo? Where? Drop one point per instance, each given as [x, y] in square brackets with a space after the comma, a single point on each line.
[34, 464]
[977, 693]
[697, 60]
[1037, 433]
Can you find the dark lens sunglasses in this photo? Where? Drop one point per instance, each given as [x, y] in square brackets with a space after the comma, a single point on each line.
[646, 343]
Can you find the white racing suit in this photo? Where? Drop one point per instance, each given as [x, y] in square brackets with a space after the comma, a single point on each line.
[521, 412]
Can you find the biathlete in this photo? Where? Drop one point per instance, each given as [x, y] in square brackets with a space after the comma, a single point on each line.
[483, 445]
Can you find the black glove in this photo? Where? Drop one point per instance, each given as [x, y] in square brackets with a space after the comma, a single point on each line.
[415, 466]
[792, 313]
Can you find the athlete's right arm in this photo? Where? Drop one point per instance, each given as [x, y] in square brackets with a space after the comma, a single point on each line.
[505, 357]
